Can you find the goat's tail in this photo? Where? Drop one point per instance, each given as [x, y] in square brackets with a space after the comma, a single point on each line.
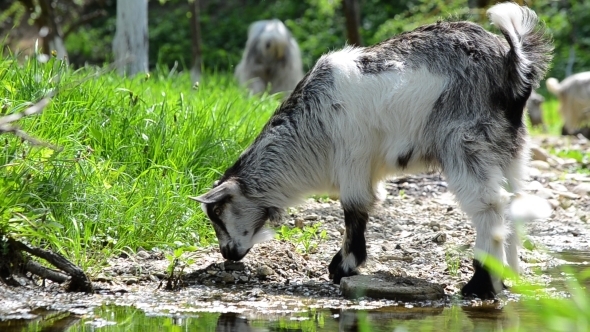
[553, 86]
[530, 48]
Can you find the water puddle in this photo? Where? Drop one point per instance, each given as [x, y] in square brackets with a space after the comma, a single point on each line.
[177, 312]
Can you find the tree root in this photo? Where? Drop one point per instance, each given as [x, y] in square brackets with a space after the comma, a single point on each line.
[76, 279]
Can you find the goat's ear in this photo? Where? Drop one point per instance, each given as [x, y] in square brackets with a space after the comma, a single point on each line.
[274, 214]
[218, 193]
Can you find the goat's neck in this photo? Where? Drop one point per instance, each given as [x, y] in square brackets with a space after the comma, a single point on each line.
[283, 168]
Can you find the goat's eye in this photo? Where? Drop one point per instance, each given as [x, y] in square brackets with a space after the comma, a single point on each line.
[217, 211]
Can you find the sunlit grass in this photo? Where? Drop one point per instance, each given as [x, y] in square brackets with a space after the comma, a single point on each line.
[133, 150]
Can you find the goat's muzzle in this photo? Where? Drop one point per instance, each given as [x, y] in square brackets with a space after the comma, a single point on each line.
[232, 252]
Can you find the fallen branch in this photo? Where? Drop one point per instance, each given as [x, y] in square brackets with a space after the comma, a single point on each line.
[45, 273]
[79, 282]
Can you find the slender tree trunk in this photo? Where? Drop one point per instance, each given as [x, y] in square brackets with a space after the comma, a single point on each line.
[352, 14]
[130, 44]
[49, 29]
[196, 41]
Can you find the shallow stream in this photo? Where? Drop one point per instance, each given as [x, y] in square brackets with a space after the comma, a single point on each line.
[174, 311]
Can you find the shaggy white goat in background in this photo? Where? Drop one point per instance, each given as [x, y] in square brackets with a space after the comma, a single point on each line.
[574, 102]
[448, 96]
[271, 57]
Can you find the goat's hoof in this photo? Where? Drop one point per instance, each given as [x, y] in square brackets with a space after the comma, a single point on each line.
[481, 284]
[342, 274]
[335, 263]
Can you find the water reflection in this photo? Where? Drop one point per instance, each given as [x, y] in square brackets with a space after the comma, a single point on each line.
[229, 322]
[398, 319]
[515, 316]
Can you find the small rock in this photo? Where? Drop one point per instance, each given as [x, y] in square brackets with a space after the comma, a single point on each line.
[540, 165]
[545, 193]
[311, 217]
[582, 189]
[565, 203]
[212, 272]
[227, 277]
[143, 254]
[538, 153]
[103, 278]
[264, 271]
[234, 266]
[299, 222]
[568, 195]
[130, 281]
[440, 238]
[244, 278]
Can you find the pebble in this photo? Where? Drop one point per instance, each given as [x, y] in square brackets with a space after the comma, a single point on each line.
[227, 277]
[234, 266]
[130, 281]
[440, 238]
[143, 254]
[540, 165]
[582, 189]
[264, 271]
[538, 153]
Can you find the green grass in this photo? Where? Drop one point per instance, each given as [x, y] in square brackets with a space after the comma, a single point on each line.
[132, 151]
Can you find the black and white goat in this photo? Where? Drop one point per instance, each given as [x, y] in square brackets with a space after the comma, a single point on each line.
[271, 57]
[447, 96]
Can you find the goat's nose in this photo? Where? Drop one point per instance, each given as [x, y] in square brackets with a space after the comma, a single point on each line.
[232, 252]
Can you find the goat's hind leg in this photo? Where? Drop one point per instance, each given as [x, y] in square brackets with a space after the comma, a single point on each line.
[480, 194]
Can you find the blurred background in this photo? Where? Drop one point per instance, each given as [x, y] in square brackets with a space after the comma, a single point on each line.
[88, 27]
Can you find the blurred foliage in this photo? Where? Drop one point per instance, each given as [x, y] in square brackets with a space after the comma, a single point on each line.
[318, 26]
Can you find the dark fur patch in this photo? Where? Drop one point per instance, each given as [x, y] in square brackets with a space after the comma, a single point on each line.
[480, 284]
[355, 221]
[404, 159]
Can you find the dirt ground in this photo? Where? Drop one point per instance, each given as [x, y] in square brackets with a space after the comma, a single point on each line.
[418, 231]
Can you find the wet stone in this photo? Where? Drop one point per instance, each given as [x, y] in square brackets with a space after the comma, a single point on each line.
[385, 286]
[227, 277]
[234, 266]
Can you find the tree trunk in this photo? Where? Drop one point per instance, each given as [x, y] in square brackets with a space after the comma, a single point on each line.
[49, 30]
[130, 45]
[196, 41]
[352, 14]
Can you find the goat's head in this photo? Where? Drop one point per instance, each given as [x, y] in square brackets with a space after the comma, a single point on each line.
[273, 40]
[237, 219]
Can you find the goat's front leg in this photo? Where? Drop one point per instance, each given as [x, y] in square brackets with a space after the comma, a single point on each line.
[354, 249]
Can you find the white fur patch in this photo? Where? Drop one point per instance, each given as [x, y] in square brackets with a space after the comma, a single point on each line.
[349, 263]
[264, 235]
